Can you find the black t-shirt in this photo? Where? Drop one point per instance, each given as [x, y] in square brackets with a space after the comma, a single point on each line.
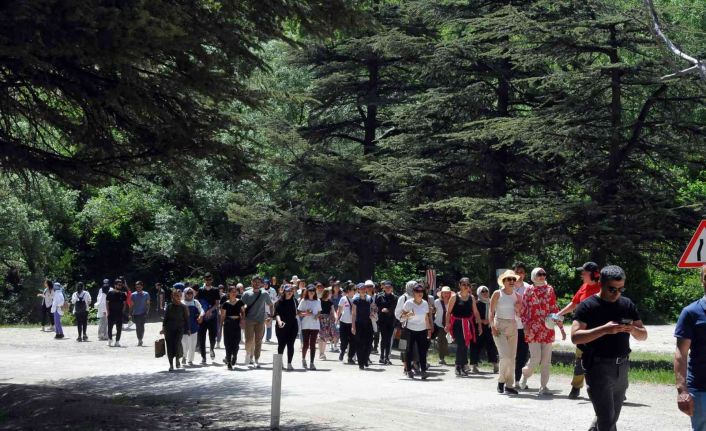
[595, 312]
[384, 300]
[362, 310]
[232, 309]
[224, 299]
[212, 296]
[326, 307]
[286, 309]
[116, 300]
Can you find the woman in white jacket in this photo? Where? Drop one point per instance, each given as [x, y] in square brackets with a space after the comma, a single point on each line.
[56, 309]
[101, 305]
[47, 296]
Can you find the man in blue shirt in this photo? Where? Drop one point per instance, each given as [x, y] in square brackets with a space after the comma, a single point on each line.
[691, 340]
[140, 305]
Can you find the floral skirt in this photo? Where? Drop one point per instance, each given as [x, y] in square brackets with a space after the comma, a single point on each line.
[328, 328]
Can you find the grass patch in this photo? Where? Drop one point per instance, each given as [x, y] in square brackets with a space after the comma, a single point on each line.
[635, 356]
[20, 326]
[657, 377]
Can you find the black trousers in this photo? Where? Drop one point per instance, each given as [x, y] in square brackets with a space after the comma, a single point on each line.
[47, 315]
[139, 321]
[607, 383]
[286, 337]
[231, 339]
[172, 338]
[82, 322]
[461, 349]
[418, 340]
[210, 326]
[522, 354]
[485, 342]
[376, 338]
[363, 341]
[117, 320]
[347, 340]
[386, 327]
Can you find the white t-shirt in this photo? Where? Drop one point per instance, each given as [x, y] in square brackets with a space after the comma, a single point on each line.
[312, 321]
[418, 321]
[345, 304]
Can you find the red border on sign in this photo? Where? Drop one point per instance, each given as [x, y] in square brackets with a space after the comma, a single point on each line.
[682, 262]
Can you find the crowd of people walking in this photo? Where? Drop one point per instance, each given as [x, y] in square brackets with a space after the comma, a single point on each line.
[514, 326]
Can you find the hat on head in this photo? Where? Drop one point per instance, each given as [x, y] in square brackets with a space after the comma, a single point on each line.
[588, 266]
[369, 283]
[444, 289]
[507, 274]
[266, 281]
[295, 279]
[311, 288]
[57, 285]
[359, 285]
[256, 277]
[288, 288]
[178, 286]
[386, 283]
[418, 288]
[106, 282]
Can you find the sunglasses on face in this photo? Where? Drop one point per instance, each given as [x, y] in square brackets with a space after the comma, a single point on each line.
[541, 274]
[511, 280]
[616, 289]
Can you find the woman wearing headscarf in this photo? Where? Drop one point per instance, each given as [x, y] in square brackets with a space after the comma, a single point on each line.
[102, 305]
[538, 306]
[81, 300]
[485, 338]
[188, 340]
[505, 305]
[460, 323]
[57, 309]
[176, 321]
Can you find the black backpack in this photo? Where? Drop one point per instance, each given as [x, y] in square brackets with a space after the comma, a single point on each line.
[81, 306]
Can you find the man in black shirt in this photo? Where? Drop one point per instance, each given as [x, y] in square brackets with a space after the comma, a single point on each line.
[386, 303]
[209, 298]
[602, 327]
[115, 299]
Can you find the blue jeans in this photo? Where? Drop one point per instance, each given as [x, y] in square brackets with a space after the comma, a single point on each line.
[698, 421]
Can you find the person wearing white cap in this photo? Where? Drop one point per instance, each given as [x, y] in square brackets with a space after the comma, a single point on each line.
[505, 305]
[538, 305]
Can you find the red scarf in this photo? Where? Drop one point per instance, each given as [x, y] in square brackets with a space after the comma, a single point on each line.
[469, 329]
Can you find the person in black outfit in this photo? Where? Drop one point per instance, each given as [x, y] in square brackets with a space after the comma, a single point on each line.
[231, 315]
[81, 299]
[362, 328]
[345, 310]
[386, 303]
[176, 321]
[287, 327]
[116, 299]
[602, 327]
[209, 298]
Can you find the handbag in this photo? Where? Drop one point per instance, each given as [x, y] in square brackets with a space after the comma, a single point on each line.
[160, 348]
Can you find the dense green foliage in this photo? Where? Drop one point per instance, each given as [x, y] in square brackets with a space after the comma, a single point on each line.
[452, 134]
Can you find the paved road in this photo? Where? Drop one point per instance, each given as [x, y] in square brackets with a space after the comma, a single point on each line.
[336, 396]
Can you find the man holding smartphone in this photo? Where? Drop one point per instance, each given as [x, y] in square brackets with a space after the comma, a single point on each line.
[691, 376]
[602, 327]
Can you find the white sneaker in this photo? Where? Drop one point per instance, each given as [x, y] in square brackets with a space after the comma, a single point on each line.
[117, 344]
[247, 359]
[110, 343]
[257, 364]
[522, 384]
[544, 391]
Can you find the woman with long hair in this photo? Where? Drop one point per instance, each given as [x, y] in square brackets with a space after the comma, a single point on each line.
[461, 316]
[327, 321]
[309, 309]
[287, 324]
[336, 295]
[231, 315]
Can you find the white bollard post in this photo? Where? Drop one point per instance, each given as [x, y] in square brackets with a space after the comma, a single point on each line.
[276, 390]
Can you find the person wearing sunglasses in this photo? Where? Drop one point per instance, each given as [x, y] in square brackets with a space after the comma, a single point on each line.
[505, 306]
[602, 328]
[189, 339]
[538, 305]
[461, 319]
[691, 342]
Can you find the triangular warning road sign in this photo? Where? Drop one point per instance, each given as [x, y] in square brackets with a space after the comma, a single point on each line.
[695, 254]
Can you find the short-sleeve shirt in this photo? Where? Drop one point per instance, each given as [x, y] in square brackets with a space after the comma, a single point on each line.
[418, 321]
[362, 312]
[595, 312]
[116, 301]
[232, 309]
[312, 321]
[256, 304]
[692, 325]
[586, 291]
[139, 302]
[346, 304]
